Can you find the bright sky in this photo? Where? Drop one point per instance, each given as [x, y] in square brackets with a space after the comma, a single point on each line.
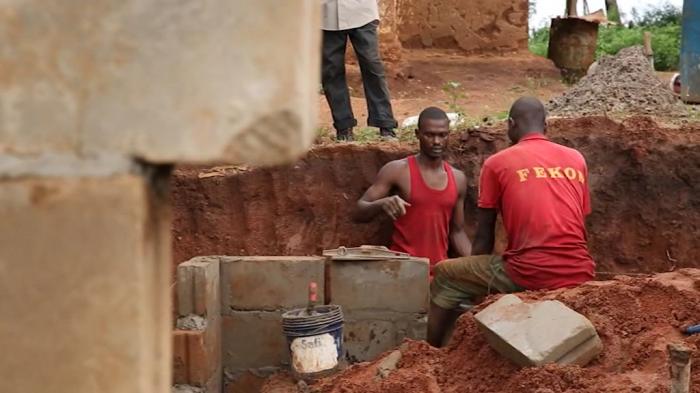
[546, 9]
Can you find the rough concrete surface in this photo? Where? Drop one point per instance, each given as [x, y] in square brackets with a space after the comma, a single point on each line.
[179, 388]
[198, 287]
[534, 334]
[392, 285]
[474, 26]
[191, 322]
[132, 89]
[84, 268]
[370, 333]
[269, 283]
[253, 339]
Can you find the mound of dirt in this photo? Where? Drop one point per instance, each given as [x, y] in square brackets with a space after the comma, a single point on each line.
[624, 83]
[635, 317]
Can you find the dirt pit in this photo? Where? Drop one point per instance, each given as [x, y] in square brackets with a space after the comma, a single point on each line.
[636, 319]
[643, 179]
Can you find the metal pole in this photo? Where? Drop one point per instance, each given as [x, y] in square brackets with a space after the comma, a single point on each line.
[679, 365]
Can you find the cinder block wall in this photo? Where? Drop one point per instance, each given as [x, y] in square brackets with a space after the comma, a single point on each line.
[229, 327]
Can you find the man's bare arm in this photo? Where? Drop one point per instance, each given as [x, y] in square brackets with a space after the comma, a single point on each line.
[485, 232]
[458, 236]
[377, 199]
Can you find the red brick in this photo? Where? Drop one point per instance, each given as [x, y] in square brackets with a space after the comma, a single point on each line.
[180, 357]
[196, 355]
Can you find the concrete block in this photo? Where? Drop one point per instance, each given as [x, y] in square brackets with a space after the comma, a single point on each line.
[152, 83]
[395, 285]
[253, 339]
[533, 334]
[198, 287]
[368, 334]
[84, 268]
[197, 355]
[269, 283]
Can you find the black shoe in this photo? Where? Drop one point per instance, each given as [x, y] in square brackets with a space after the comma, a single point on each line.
[344, 135]
[387, 133]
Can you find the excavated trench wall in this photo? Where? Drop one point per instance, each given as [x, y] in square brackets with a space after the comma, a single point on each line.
[473, 26]
[643, 180]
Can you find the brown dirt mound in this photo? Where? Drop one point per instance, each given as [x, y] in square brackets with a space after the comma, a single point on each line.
[624, 83]
[646, 200]
[635, 317]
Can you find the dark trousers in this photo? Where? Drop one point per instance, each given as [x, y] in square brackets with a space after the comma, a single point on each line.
[364, 41]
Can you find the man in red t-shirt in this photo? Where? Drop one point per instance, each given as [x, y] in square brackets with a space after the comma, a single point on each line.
[541, 190]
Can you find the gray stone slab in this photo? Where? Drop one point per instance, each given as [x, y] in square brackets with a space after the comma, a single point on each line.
[269, 283]
[533, 334]
[254, 339]
[385, 285]
[198, 290]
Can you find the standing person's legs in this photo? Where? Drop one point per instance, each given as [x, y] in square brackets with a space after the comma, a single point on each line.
[335, 86]
[365, 42]
[462, 280]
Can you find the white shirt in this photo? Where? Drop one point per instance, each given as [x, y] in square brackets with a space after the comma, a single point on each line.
[348, 14]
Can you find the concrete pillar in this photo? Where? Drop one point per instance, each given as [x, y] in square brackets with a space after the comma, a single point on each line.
[84, 285]
[97, 100]
[160, 80]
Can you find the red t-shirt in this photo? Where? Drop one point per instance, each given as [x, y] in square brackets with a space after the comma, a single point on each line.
[541, 189]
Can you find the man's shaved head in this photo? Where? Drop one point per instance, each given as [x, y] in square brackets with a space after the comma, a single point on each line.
[527, 115]
[432, 113]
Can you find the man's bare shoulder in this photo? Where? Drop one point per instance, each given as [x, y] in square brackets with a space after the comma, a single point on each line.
[395, 167]
[460, 177]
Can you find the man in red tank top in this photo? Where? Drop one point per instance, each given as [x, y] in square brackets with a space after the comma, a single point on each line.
[423, 194]
[540, 189]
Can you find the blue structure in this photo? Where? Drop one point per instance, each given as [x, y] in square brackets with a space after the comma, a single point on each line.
[690, 52]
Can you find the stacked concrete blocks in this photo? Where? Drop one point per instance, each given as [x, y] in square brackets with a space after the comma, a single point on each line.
[384, 301]
[197, 339]
[256, 292]
[534, 334]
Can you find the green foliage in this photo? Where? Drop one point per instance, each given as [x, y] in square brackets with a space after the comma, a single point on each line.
[664, 15]
[663, 22]
[539, 41]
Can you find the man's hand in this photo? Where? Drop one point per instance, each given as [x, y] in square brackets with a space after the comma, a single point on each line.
[394, 206]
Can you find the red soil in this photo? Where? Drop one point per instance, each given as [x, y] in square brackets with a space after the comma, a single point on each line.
[643, 180]
[635, 317]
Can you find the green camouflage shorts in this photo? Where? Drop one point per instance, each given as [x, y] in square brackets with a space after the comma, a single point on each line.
[463, 280]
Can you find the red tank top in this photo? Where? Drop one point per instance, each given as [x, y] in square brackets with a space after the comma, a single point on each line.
[423, 231]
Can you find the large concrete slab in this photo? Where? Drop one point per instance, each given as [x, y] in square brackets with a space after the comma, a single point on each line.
[84, 266]
[534, 334]
[253, 339]
[198, 284]
[269, 283]
[161, 80]
[387, 285]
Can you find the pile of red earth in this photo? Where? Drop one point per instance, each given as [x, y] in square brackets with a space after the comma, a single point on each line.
[624, 83]
[635, 317]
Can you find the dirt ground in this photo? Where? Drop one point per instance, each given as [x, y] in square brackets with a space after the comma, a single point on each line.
[489, 83]
[636, 319]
